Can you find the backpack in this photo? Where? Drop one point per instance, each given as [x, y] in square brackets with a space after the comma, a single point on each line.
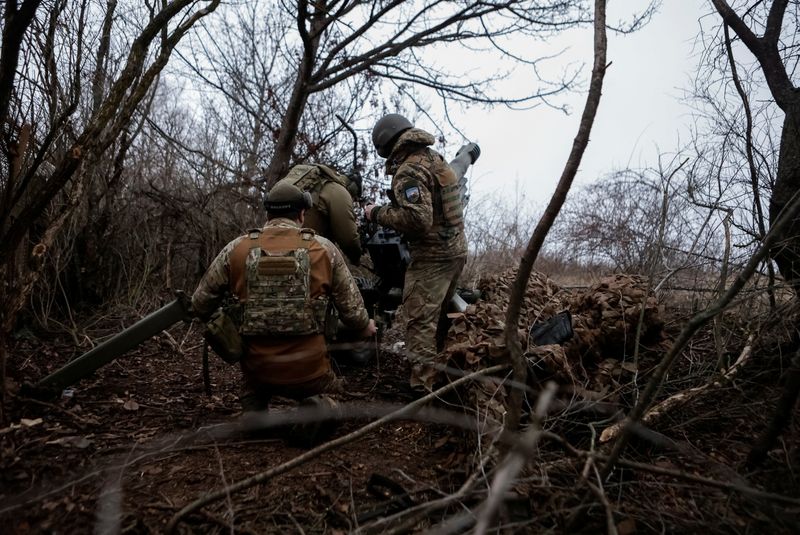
[313, 177]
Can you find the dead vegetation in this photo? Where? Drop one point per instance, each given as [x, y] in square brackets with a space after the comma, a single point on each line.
[141, 440]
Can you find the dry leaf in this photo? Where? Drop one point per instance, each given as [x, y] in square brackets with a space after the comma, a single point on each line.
[441, 442]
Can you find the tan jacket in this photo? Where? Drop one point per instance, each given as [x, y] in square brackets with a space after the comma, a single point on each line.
[289, 359]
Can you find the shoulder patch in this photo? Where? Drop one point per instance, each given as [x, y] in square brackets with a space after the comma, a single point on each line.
[411, 192]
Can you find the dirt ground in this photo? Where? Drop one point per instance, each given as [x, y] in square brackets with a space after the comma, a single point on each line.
[135, 442]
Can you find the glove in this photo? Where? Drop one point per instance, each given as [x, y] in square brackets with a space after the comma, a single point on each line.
[472, 149]
[371, 213]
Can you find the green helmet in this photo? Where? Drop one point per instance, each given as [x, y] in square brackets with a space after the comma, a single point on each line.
[286, 197]
[386, 130]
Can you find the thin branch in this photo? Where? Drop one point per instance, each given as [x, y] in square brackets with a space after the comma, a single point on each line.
[517, 291]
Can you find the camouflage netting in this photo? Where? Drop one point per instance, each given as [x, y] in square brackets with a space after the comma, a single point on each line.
[605, 317]
[477, 335]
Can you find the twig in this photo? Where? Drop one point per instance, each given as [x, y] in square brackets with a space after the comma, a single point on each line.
[228, 501]
[724, 485]
[316, 452]
[611, 527]
[681, 398]
[514, 461]
[677, 474]
[408, 518]
[82, 422]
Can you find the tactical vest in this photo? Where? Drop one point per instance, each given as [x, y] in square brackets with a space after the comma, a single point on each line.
[312, 178]
[448, 211]
[278, 287]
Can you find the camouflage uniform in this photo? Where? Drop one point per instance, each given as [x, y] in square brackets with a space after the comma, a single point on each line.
[332, 215]
[294, 366]
[426, 207]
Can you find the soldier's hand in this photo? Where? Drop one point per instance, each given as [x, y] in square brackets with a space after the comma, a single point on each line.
[370, 330]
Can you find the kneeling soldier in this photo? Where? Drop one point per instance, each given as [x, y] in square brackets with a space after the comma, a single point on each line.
[285, 279]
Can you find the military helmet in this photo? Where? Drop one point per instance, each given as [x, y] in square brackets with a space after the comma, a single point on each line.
[286, 197]
[386, 130]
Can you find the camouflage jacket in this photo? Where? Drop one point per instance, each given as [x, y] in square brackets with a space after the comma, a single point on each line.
[283, 359]
[216, 282]
[426, 206]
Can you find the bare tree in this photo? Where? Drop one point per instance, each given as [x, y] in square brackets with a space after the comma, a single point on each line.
[338, 40]
[242, 60]
[772, 50]
[68, 135]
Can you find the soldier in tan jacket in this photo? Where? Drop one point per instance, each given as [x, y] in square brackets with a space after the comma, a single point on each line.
[285, 277]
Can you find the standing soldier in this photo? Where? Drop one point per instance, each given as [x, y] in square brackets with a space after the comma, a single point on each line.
[332, 215]
[285, 278]
[426, 208]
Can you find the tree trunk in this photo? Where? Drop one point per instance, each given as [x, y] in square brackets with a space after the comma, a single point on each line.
[290, 124]
[786, 252]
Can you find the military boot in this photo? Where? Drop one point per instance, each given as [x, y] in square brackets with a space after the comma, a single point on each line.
[309, 434]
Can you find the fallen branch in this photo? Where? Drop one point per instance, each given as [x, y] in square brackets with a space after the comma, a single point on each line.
[684, 397]
[319, 450]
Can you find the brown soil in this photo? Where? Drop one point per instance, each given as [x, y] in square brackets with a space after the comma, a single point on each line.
[133, 442]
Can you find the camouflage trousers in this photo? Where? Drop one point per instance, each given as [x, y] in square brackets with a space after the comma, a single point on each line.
[429, 285]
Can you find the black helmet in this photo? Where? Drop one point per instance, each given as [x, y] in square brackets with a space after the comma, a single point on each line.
[386, 130]
[286, 197]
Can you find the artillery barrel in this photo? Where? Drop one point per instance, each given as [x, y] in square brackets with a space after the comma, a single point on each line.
[147, 327]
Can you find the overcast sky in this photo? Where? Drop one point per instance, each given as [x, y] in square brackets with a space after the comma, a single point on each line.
[642, 110]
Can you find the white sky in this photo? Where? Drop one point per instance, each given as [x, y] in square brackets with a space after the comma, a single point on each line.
[642, 110]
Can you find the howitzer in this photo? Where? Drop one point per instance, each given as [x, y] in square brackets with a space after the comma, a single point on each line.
[118, 345]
